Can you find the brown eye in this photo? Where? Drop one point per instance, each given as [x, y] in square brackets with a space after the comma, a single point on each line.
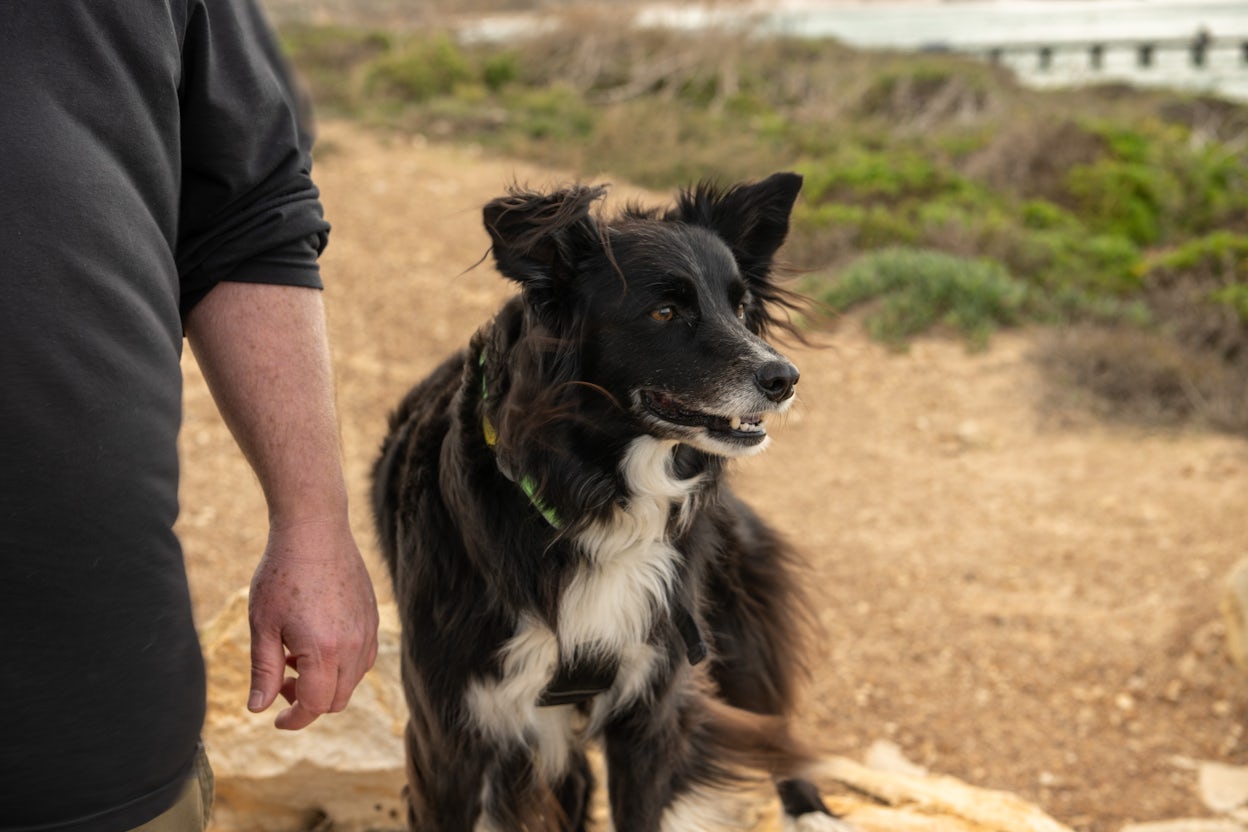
[663, 314]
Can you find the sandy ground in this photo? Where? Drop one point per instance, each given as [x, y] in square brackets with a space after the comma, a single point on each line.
[1014, 592]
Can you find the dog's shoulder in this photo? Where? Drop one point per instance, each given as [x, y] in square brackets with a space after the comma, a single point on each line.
[419, 421]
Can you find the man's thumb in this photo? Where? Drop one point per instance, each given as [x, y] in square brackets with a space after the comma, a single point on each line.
[268, 667]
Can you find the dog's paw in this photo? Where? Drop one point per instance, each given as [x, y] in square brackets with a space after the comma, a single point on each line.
[817, 822]
[804, 810]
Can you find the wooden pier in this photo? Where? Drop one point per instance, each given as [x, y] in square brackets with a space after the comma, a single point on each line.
[1198, 48]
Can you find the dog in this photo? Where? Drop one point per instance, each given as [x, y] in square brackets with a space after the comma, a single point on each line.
[569, 563]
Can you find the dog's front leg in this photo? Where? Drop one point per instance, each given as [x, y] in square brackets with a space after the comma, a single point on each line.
[662, 770]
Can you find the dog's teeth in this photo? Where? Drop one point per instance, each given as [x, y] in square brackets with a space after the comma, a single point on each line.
[735, 423]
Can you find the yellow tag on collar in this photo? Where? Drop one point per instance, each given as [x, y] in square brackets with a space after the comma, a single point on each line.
[487, 428]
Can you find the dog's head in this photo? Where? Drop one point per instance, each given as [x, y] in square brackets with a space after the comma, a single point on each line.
[663, 312]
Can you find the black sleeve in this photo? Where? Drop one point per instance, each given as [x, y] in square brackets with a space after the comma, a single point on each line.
[249, 209]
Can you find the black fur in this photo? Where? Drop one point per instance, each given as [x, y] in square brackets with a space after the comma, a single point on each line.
[502, 464]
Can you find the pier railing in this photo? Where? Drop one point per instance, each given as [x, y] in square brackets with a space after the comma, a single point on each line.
[1198, 49]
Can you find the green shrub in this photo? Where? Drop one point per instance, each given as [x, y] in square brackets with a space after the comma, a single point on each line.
[862, 174]
[865, 226]
[1221, 256]
[1157, 184]
[555, 113]
[419, 70]
[1214, 183]
[917, 290]
[1210, 269]
[1234, 297]
[1069, 259]
[1200, 291]
[500, 70]
[1126, 198]
[1042, 215]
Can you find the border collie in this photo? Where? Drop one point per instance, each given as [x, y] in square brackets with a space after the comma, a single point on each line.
[569, 562]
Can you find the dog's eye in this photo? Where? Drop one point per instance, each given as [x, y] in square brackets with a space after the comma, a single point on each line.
[663, 314]
[741, 311]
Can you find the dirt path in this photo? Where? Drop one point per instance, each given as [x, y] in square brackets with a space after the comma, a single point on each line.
[1013, 592]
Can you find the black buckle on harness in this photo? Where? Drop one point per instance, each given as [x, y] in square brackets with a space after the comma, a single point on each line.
[578, 682]
[582, 679]
[695, 646]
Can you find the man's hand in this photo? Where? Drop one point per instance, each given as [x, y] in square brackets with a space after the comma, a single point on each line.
[312, 609]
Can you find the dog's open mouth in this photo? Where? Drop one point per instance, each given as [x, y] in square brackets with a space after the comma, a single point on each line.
[747, 428]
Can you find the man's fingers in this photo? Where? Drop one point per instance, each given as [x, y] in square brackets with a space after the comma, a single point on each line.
[295, 717]
[289, 692]
[306, 694]
[312, 693]
[346, 686]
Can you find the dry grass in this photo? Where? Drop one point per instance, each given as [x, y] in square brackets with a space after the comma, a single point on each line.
[1144, 377]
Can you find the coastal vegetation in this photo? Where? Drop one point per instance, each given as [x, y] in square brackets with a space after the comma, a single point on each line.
[940, 192]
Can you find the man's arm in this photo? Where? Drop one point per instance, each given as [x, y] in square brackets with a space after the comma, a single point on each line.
[263, 351]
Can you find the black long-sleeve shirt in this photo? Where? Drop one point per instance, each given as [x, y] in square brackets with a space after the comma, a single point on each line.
[148, 150]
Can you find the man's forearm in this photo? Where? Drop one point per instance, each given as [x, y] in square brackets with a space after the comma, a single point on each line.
[263, 351]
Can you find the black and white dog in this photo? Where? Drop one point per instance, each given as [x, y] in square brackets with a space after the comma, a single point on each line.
[570, 565]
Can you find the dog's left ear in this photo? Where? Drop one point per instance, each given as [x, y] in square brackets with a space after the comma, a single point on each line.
[752, 219]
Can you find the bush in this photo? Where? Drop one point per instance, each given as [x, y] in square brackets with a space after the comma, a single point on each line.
[1042, 215]
[861, 174]
[917, 290]
[1235, 298]
[1124, 198]
[1096, 263]
[864, 227]
[556, 113]
[1199, 289]
[419, 71]
[1156, 184]
[500, 70]
[1220, 256]
[1214, 183]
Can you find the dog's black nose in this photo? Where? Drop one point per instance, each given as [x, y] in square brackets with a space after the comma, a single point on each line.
[776, 379]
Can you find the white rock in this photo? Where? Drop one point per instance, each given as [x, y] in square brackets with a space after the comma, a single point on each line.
[928, 803]
[1223, 788]
[1235, 613]
[884, 755]
[1185, 825]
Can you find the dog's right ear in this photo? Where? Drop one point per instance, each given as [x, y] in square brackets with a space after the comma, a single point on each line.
[536, 237]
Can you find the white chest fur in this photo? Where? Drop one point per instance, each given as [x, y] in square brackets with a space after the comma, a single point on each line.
[610, 604]
[607, 609]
